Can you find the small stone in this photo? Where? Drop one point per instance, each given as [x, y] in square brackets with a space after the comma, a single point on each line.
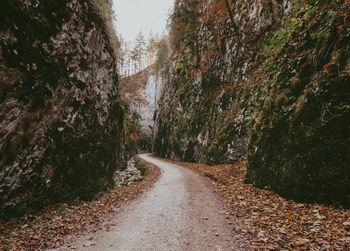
[89, 243]
[260, 234]
[325, 246]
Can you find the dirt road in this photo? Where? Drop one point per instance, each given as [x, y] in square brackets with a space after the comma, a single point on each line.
[180, 212]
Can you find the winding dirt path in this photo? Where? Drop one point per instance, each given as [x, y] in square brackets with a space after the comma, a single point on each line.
[180, 212]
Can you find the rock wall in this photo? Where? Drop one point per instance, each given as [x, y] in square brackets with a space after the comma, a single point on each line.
[141, 92]
[61, 124]
[300, 137]
[271, 79]
[204, 110]
[150, 94]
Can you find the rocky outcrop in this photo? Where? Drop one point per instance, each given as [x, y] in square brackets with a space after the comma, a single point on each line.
[128, 176]
[61, 124]
[141, 92]
[299, 139]
[266, 77]
[205, 107]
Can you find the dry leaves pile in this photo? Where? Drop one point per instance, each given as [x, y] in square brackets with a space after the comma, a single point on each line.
[262, 220]
[51, 227]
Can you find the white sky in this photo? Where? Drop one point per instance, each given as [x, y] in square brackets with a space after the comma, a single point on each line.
[134, 16]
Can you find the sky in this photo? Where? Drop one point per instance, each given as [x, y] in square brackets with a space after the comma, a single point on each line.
[134, 16]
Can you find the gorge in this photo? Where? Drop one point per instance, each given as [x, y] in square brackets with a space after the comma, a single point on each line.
[266, 80]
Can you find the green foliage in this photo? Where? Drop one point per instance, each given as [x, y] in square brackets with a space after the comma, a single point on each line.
[294, 24]
[144, 143]
[184, 24]
[278, 40]
[62, 209]
[103, 8]
[307, 7]
[142, 166]
[162, 64]
[320, 35]
[298, 137]
[281, 37]
[136, 139]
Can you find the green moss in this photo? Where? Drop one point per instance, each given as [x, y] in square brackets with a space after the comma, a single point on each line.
[321, 35]
[279, 39]
[296, 90]
[103, 8]
[298, 137]
[143, 167]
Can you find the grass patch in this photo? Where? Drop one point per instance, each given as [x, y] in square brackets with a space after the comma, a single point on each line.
[143, 166]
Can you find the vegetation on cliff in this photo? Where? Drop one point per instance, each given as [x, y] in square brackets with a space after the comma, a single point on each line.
[262, 84]
[271, 81]
[299, 139]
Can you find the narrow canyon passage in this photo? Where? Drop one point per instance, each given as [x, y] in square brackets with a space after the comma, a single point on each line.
[253, 96]
[180, 212]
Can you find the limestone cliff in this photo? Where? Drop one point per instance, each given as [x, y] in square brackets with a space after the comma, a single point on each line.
[270, 78]
[61, 123]
[204, 110]
[299, 140]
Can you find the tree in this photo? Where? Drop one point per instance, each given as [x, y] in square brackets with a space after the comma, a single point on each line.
[134, 56]
[122, 56]
[152, 48]
[139, 49]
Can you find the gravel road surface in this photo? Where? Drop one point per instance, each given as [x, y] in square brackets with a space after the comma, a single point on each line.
[181, 212]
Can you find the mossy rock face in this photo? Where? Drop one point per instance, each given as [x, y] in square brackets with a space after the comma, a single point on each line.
[286, 85]
[61, 126]
[299, 144]
[205, 107]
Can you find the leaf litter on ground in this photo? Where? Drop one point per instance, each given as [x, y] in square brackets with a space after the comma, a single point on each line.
[57, 224]
[262, 220]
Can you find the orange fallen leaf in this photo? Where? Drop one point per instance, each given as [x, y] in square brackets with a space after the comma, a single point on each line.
[36, 237]
[289, 216]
